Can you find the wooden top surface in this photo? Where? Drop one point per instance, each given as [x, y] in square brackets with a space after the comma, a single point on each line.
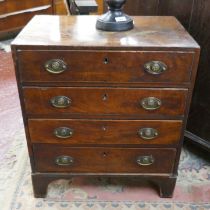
[80, 32]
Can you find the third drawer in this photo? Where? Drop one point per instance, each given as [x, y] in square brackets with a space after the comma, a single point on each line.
[119, 132]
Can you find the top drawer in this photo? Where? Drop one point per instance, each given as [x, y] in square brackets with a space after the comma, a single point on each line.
[105, 66]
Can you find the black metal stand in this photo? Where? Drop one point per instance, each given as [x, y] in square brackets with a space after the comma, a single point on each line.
[114, 19]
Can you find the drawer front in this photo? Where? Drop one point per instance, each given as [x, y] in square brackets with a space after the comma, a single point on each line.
[137, 102]
[103, 160]
[18, 20]
[104, 67]
[9, 6]
[142, 132]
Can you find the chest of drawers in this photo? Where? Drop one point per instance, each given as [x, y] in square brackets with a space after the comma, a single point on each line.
[104, 103]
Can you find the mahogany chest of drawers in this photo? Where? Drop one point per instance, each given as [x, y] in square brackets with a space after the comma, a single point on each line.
[104, 103]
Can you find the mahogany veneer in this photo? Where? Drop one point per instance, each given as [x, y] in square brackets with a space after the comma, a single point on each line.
[194, 15]
[122, 67]
[105, 131]
[105, 101]
[104, 104]
[103, 159]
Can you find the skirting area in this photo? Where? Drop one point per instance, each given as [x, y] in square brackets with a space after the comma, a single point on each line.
[192, 190]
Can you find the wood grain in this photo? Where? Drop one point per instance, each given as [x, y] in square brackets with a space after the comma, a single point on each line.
[115, 132]
[15, 21]
[120, 67]
[105, 110]
[103, 160]
[194, 15]
[10, 6]
[141, 7]
[180, 9]
[79, 32]
[15, 15]
[105, 101]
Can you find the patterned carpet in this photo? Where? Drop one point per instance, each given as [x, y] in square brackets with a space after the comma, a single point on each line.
[192, 191]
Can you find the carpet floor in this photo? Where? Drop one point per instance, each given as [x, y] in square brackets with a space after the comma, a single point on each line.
[192, 191]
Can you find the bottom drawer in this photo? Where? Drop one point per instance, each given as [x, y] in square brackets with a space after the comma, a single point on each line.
[102, 159]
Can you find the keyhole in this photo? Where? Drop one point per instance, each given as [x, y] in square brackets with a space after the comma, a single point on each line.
[105, 97]
[104, 154]
[106, 60]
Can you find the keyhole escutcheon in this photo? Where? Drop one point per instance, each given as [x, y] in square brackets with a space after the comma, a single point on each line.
[105, 97]
[105, 154]
[106, 60]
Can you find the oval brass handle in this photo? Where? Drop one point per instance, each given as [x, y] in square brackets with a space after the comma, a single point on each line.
[148, 133]
[64, 160]
[55, 66]
[155, 67]
[151, 103]
[60, 101]
[63, 132]
[145, 160]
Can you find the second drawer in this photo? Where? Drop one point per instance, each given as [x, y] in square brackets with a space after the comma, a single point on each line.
[127, 102]
[142, 132]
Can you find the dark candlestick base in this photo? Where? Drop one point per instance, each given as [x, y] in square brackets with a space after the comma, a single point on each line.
[114, 19]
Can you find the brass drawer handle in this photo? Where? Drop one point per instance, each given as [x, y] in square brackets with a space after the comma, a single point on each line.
[60, 101]
[55, 66]
[64, 160]
[155, 67]
[63, 132]
[151, 103]
[148, 133]
[145, 160]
